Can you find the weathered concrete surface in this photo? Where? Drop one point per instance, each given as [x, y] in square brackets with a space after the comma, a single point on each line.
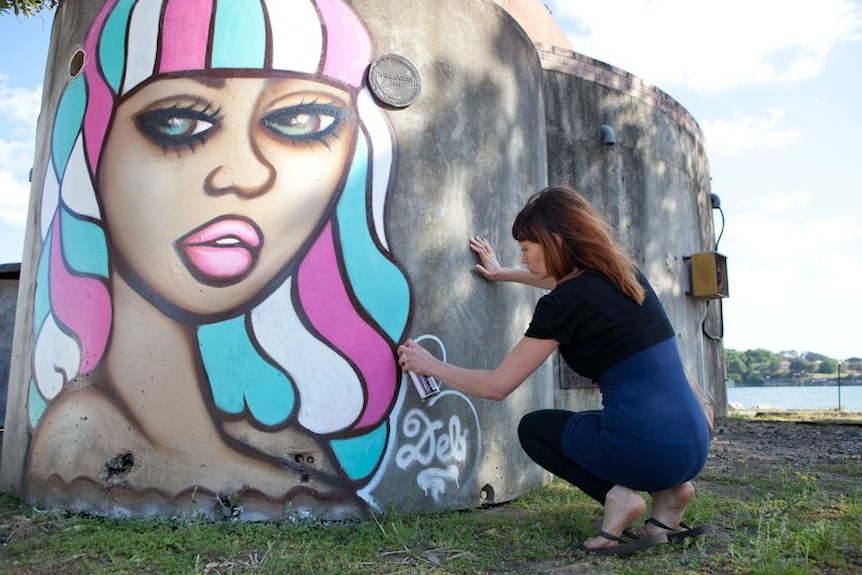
[495, 121]
[8, 302]
[536, 19]
[471, 150]
[653, 186]
[467, 154]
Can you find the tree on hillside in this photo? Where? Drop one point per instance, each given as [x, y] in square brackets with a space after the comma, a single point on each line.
[26, 7]
[759, 366]
[828, 365]
[763, 364]
[735, 365]
[754, 366]
[799, 367]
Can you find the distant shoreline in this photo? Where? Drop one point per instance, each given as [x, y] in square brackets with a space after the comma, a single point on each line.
[766, 413]
[783, 397]
[792, 383]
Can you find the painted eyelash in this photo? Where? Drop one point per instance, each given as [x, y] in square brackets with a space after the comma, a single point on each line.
[199, 110]
[314, 107]
[202, 108]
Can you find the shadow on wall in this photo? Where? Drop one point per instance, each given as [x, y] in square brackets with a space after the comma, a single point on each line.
[476, 144]
[652, 185]
[471, 150]
[9, 277]
[450, 174]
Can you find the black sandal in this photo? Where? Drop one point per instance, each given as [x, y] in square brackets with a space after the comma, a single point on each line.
[684, 531]
[624, 547]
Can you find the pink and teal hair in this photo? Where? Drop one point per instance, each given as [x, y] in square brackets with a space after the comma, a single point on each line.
[347, 301]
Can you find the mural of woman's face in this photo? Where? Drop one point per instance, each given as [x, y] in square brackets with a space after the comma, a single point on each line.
[211, 186]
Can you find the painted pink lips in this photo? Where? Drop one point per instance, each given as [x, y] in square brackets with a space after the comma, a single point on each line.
[221, 250]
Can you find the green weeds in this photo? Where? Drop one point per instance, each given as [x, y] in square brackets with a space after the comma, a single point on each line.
[776, 521]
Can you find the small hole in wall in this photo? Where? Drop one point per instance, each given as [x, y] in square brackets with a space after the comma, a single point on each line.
[76, 64]
[486, 495]
[303, 458]
[118, 466]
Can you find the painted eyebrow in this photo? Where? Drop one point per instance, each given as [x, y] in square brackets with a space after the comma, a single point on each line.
[209, 81]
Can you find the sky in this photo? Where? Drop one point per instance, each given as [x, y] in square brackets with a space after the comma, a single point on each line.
[776, 88]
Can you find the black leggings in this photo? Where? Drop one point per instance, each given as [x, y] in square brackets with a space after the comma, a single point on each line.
[540, 433]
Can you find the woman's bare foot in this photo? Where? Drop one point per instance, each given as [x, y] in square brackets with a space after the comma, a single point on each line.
[668, 507]
[622, 507]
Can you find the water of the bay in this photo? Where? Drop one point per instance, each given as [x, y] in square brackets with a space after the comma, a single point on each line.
[797, 397]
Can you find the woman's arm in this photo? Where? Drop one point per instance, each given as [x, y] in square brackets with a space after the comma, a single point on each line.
[496, 383]
[489, 267]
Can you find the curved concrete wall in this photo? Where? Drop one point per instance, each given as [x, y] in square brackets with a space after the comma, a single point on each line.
[653, 186]
[176, 413]
[191, 338]
[470, 152]
[536, 19]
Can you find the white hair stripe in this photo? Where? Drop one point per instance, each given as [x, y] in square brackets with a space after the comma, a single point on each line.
[77, 188]
[330, 394]
[142, 43]
[56, 359]
[296, 30]
[50, 198]
[380, 149]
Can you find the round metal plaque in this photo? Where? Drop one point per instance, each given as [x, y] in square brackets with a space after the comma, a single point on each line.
[394, 80]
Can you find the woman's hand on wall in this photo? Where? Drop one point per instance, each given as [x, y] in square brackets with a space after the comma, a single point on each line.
[489, 266]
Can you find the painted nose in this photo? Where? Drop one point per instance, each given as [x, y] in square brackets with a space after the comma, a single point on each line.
[242, 170]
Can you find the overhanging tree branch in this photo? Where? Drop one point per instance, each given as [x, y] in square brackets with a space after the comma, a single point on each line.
[26, 7]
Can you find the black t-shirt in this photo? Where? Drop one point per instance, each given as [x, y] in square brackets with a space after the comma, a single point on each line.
[596, 325]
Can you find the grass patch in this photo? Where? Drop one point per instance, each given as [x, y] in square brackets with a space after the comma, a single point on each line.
[775, 520]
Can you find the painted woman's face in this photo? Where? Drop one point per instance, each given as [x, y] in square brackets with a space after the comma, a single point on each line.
[210, 187]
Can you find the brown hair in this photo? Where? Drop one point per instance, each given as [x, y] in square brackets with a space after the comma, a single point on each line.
[573, 235]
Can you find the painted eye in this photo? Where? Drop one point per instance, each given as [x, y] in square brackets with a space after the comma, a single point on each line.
[183, 127]
[305, 122]
[175, 127]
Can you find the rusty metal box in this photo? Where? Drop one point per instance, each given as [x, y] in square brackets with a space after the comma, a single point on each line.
[709, 275]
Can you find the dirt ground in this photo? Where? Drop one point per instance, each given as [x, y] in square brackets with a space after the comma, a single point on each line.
[801, 443]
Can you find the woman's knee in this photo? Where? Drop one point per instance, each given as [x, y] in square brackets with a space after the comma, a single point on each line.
[528, 423]
[545, 425]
